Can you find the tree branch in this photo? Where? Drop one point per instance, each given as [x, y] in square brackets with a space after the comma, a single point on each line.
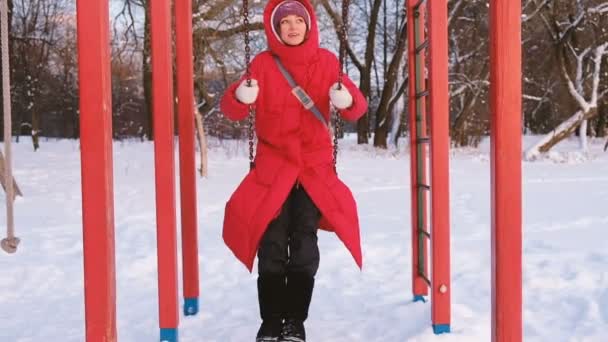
[214, 34]
[337, 21]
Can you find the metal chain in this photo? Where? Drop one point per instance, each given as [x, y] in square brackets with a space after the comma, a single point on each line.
[337, 130]
[251, 118]
[343, 33]
[251, 124]
[247, 48]
[338, 120]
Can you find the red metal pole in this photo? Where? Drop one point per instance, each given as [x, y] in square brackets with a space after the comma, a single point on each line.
[185, 93]
[440, 165]
[96, 169]
[505, 92]
[419, 286]
[162, 84]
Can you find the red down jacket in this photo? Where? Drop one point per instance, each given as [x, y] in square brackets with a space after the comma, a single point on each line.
[293, 145]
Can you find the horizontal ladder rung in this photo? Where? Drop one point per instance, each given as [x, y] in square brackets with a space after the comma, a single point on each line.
[422, 46]
[422, 94]
[418, 4]
[424, 277]
[423, 140]
[424, 232]
[424, 186]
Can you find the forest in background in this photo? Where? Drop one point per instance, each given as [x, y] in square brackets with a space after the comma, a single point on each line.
[564, 45]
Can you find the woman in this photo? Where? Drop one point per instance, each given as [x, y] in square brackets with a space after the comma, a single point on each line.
[293, 188]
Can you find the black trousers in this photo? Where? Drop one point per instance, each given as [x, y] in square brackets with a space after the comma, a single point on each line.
[289, 245]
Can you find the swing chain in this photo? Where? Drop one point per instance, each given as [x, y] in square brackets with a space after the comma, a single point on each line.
[342, 35]
[247, 47]
[250, 122]
[337, 132]
[251, 117]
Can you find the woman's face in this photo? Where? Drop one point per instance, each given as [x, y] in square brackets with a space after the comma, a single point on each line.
[293, 30]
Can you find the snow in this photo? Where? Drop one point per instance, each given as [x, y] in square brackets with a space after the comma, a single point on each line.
[565, 254]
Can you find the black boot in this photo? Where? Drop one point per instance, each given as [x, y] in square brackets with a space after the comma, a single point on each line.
[298, 297]
[271, 291]
[293, 331]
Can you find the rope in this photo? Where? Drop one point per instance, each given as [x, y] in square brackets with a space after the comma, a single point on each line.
[9, 244]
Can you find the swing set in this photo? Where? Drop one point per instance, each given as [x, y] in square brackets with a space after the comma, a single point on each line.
[429, 161]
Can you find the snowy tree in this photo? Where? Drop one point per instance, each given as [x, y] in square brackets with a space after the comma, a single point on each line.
[578, 33]
[378, 50]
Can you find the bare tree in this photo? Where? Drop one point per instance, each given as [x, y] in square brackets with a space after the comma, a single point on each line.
[469, 71]
[385, 100]
[34, 34]
[217, 28]
[578, 33]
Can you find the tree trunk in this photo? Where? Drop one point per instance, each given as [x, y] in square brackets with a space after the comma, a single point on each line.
[363, 122]
[460, 136]
[147, 75]
[601, 120]
[582, 135]
[561, 132]
[383, 113]
[35, 129]
[366, 75]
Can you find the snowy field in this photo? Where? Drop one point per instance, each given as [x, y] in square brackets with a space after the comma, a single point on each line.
[565, 250]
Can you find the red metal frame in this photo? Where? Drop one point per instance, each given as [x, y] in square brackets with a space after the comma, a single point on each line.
[419, 286]
[97, 182]
[162, 92]
[505, 97]
[185, 92]
[440, 178]
[96, 169]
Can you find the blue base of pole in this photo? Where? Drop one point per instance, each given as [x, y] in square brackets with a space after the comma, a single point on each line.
[168, 335]
[441, 328]
[419, 298]
[190, 306]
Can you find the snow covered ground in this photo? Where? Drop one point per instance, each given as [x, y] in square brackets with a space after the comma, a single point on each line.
[565, 250]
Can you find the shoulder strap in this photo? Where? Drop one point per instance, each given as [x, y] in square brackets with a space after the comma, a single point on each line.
[299, 93]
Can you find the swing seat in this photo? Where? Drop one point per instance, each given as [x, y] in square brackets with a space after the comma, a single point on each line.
[9, 245]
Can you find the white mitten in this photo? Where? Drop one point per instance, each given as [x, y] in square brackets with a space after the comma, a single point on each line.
[340, 98]
[247, 94]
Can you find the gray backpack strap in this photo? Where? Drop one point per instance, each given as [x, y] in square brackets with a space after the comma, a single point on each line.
[299, 93]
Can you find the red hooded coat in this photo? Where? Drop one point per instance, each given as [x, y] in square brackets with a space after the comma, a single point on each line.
[293, 145]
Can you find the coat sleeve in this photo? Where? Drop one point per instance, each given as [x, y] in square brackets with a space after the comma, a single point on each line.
[359, 106]
[232, 108]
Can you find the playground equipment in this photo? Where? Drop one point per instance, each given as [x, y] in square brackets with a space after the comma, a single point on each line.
[98, 225]
[439, 140]
[96, 157]
[505, 89]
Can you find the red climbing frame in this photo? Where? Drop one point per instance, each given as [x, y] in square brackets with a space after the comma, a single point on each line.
[505, 98]
[185, 95]
[96, 169]
[440, 177]
[419, 286]
[435, 86]
[505, 59]
[96, 156]
[162, 95]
